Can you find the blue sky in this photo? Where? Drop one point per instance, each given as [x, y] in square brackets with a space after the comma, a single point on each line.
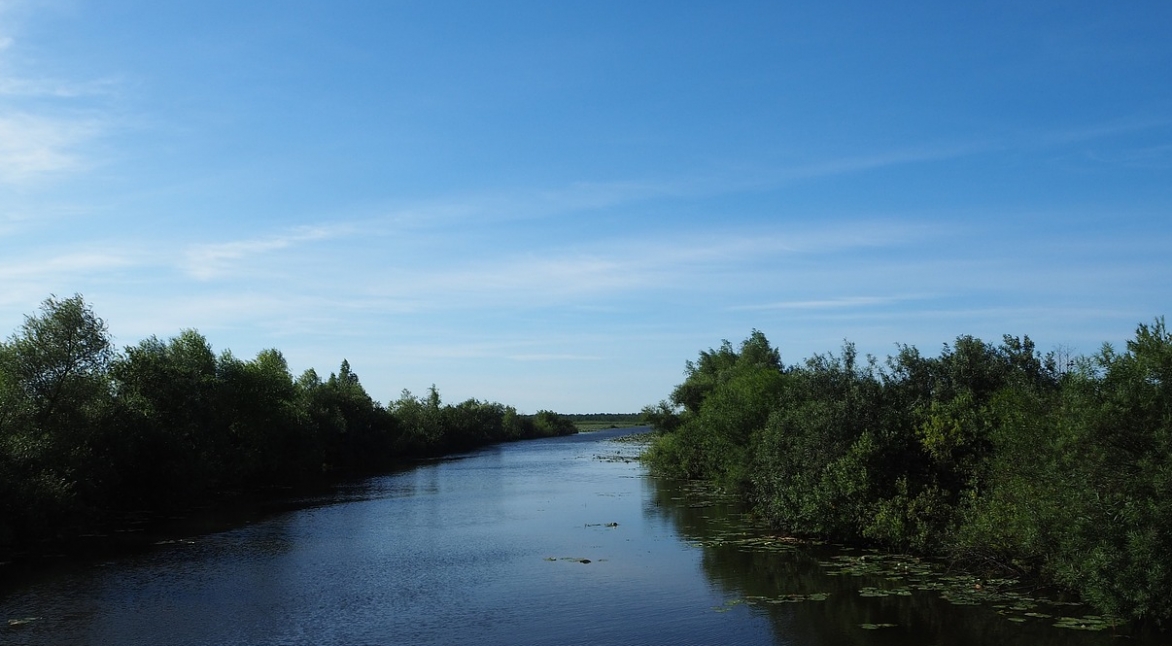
[556, 204]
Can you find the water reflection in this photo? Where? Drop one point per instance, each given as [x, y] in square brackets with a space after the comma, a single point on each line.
[489, 549]
[763, 577]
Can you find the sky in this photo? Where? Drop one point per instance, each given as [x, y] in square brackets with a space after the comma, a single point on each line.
[555, 205]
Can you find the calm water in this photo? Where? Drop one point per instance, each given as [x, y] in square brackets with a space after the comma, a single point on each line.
[492, 548]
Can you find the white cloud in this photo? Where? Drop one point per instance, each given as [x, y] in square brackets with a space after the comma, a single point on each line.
[32, 146]
[14, 87]
[29, 280]
[209, 261]
[81, 262]
[45, 122]
[728, 262]
[827, 304]
[884, 159]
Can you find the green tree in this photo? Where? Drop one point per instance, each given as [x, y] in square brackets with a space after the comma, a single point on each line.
[61, 359]
[171, 425]
[55, 395]
[726, 397]
[358, 433]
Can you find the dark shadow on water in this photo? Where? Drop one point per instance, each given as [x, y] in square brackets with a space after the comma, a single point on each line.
[788, 582]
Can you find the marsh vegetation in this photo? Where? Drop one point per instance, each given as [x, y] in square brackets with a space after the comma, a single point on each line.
[992, 456]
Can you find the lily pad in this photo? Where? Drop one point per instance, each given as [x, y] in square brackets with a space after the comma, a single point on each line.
[728, 605]
[1090, 622]
[790, 598]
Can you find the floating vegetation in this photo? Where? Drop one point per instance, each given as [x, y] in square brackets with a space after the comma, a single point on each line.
[909, 575]
[1089, 622]
[627, 449]
[617, 456]
[176, 541]
[749, 544]
[896, 567]
[728, 605]
[752, 542]
[636, 439]
[789, 598]
[882, 575]
[703, 494]
[903, 591]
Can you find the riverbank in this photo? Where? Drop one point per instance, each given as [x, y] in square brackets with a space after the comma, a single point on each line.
[90, 434]
[992, 456]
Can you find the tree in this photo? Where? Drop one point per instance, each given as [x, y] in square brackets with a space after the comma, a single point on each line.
[169, 423]
[61, 357]
[54, 392]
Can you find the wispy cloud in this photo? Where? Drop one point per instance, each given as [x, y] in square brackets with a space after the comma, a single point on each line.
[32, 146]
[65, 264]
[534, 203]
[29, 279]
[209, 261]
[617, 267]
[554, 357]
[45, 122]
[54, 88]
[942, 151]
[1158, 157]
[884, 159]
[1089, 132]
[584, 196]
[828, 304]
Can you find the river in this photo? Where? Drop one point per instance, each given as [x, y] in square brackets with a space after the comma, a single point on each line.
[556, 541]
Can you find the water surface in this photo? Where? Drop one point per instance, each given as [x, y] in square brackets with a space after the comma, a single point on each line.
[557, 541]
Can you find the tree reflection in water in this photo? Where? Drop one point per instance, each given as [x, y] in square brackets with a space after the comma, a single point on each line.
[811, 599]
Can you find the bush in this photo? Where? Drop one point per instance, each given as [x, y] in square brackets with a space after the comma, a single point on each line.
[986, 454]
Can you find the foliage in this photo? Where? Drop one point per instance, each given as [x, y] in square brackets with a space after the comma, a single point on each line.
[86, 431]
[989, 454]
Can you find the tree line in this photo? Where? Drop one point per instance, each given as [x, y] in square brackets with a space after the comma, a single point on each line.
[993, 455]
[88, 432]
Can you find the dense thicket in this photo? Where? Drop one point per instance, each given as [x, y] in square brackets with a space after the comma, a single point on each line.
[86, 430]
[991, 454]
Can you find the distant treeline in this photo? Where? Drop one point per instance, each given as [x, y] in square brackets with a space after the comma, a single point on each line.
[87, 432]
[597, 421]
[604, 417]
[993, 455]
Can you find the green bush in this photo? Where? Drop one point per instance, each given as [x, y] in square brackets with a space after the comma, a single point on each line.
[987, 454]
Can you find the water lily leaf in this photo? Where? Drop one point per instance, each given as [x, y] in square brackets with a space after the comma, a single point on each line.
[873, 592]
[876, 626]
[1089, 622]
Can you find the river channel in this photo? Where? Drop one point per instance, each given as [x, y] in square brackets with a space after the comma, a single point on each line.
[556, 541]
